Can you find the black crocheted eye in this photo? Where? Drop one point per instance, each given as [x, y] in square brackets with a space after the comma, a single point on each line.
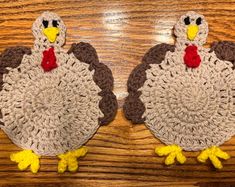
[187, 21]
[55, 23]
[199, 21]
[45, 23]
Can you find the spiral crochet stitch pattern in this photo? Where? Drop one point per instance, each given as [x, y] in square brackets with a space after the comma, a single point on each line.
[186, 94]
[51, 102]
[192, 108]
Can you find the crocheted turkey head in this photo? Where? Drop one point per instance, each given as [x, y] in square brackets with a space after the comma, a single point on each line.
[49, 31]
[185, 94]
[191, 29]
[52, 102]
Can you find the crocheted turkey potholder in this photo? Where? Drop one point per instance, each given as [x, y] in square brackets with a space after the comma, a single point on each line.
[53, 101]
[185, 93]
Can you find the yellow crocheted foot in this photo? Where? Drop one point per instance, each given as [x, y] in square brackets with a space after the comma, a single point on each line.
[69, 160]
[25, 159]
[173, 152]
[213, 153]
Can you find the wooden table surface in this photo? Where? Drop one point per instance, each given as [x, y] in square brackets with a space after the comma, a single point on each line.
[120, 154]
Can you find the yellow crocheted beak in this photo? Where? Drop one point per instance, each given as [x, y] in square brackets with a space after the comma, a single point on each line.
[192, 31]
[51, 33]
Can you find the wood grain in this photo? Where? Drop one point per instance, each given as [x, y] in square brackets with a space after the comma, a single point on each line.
[120, 154]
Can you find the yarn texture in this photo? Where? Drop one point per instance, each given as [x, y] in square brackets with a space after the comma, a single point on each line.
[50, 113]
[49, 60]
[70, 160]
[50, 100]
[185, 94]
[191, 57]
[133, 107]
[213, 154]
[25, 159]
[174, 152]
[192, 108]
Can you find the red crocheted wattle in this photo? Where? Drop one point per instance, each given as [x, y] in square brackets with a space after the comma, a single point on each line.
[191, 57]
[49, 60]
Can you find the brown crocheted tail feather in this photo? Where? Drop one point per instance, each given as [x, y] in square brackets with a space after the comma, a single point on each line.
[133, 107]
[11, 57]
[103, 78]
[224, 50]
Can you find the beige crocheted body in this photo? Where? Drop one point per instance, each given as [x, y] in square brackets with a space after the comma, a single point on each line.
[191, 107]
[50, 112]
